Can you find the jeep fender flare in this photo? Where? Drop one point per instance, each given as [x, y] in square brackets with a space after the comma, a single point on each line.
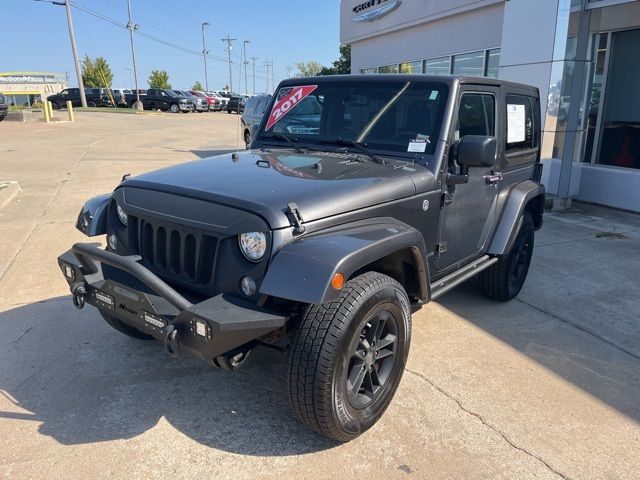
[302, 270]
[92, 219]
[519, 197]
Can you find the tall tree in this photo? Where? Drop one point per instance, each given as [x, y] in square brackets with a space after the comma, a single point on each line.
[342, 65]
[308, 69]
[159, 79]
[96, 73]
[197, 86]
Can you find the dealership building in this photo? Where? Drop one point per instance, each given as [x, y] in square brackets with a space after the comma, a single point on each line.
[583, 55]
[25, 88]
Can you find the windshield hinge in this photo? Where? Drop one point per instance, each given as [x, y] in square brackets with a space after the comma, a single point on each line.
[295, 217]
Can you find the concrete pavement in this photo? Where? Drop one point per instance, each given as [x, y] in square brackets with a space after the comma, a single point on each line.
[546, 386]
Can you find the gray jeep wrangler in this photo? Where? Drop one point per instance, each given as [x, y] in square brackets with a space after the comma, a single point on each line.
[360, 199]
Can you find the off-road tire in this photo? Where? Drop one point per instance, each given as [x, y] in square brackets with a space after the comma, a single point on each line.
[124, 328]
[320, 358]
[247, 138]
[499, 281]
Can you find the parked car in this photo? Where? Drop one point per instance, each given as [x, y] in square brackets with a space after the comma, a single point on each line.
[236, 104]
[96, 97]
[167, 100]
[221, 102]
[253, 112]
[4, 107]
[200, 104]
[322, 243]
[208, 99]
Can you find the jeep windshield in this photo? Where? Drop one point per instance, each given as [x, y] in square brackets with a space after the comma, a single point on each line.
[395, 118]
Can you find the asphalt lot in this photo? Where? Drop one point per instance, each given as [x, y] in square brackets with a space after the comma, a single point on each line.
[546, 386]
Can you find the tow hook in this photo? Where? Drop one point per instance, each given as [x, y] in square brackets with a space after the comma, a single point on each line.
[171, 345]
[78, 292]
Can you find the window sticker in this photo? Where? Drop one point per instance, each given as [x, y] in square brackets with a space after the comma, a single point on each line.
[417, 145]
[515, 123]
[287, 99]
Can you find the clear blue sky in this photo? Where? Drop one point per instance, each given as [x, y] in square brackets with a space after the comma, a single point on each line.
[35, 38]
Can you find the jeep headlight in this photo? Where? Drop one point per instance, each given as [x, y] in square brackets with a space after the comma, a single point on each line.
[122, 216]
[253, 245]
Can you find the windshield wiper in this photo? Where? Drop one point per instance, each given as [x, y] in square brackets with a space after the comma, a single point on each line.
[291, 141]
[361, 146]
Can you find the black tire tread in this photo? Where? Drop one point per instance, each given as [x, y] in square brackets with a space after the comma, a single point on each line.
[493, 280]
[311, 358]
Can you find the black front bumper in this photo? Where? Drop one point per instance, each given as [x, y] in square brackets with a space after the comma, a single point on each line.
[122, 287]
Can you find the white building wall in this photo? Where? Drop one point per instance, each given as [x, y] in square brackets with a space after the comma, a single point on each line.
[468, 31]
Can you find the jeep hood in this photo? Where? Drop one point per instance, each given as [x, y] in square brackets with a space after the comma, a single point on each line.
[321, 184]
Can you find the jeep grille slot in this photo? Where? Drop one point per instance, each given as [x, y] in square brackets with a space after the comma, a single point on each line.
[186, 256]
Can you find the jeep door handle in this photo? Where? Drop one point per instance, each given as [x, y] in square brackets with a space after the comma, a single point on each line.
[494, 178]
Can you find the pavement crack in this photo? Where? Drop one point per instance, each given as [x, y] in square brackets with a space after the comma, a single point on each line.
[23, 334]
[583, 329]
[487, 424]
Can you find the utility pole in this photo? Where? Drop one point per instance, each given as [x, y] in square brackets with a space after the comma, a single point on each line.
[289, 71]
[204, 57]
[244, 62]
[253, 61]
[266, 65]
[229, 40]
[273, 85]
[133, 27]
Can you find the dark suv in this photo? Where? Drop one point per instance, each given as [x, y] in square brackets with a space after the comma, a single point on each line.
[252, 114]
[322, 239]
[236, 104]
[4, 107]
[167, 100]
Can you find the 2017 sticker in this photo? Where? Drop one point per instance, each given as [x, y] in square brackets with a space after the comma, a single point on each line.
[284, 104]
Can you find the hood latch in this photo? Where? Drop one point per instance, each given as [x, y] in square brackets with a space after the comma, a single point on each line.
[295, 217]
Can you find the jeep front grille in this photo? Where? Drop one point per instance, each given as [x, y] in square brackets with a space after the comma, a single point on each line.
[180, 254]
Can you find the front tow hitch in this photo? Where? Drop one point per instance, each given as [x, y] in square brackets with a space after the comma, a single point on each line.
[171, 340]
[78, 293]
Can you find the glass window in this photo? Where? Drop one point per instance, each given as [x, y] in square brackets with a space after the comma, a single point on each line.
[388, 68]
[476, 115]
[387, 116]
[471, 64]
[520, 127]
[493, 63]
[411, 67]
[368, 70]
[438, 66]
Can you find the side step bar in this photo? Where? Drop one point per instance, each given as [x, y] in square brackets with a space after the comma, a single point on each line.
[442, 286]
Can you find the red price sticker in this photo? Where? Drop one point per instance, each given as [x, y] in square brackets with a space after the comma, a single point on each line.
[287, 102]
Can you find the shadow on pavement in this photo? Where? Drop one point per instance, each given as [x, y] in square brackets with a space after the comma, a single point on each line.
[84, 382]
[596, 366]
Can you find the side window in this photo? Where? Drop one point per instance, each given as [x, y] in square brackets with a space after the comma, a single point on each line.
[250, 105]
[520, 124]
[64, 93]
[476, 115]
[163, 93]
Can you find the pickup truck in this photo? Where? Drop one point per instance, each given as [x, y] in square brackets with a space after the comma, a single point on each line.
[323, 238]
[165, 100]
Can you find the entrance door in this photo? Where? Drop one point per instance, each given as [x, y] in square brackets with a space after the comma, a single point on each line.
[464, 229]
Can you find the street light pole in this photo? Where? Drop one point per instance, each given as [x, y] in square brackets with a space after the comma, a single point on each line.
[244, 61]
[74, 50]
[132, 27]
[204, 56]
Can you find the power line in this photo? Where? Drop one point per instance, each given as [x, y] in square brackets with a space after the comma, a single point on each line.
[229, 40]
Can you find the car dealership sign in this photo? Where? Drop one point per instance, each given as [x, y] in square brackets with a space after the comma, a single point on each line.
[374, 10]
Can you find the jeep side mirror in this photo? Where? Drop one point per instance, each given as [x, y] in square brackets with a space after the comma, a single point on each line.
[476, 151]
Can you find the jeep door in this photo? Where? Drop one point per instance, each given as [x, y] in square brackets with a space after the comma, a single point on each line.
[469, 209]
